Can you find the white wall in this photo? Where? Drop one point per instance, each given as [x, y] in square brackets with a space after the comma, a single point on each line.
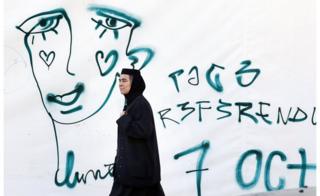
[277, 36]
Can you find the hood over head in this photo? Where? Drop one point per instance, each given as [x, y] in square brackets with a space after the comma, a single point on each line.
[137, 85]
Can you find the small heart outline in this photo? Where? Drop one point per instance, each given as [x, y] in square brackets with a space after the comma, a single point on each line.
[47, 58]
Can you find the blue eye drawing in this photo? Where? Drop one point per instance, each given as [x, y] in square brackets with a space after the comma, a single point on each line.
[111, 19]
[110, 23]
[42, 23]
[47, 24]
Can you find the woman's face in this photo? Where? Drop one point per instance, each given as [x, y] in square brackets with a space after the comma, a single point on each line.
[125, 83]
[84, 48]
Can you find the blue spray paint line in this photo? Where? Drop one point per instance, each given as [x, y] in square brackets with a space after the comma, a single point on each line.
[303, 167]
[206, 169]
[75, 109]
[267, 181]
[174, 75]
[68, 172]
[147, 51]
[204, 146]
[116, 34]
[239, 177]
[120, 15]
[72, 179]
[217, 84]
[244, 70]
[195, 68]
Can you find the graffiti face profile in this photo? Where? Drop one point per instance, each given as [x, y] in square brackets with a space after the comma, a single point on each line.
[81, 53]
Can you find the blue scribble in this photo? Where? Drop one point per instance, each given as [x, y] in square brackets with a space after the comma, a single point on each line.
[216, 84]
[244, 70]
[204, 146]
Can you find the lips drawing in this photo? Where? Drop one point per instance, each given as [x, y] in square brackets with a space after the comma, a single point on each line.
[68, 99]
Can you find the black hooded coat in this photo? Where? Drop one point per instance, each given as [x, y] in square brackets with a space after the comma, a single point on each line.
[137, 161]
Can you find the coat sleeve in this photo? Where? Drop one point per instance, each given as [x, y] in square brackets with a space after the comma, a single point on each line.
[138, 123]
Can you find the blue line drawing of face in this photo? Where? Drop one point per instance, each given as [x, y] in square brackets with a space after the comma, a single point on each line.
[85, 61]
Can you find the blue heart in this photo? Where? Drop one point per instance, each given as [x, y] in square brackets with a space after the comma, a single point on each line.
[103, 62]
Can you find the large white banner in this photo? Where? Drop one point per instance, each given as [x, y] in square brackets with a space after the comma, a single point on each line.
[231, 84]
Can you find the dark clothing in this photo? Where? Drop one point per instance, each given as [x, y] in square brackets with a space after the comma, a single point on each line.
[122, 190]
[137, 162]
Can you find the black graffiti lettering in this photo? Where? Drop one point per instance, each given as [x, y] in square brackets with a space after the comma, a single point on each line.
[242, 111]
[183, 108]
[313, 116]
[200, 108]
[280, 115]
[262, 115]
[174, 75]
[296, 119]
[196, 78]
[165, 111]
[223, 105]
